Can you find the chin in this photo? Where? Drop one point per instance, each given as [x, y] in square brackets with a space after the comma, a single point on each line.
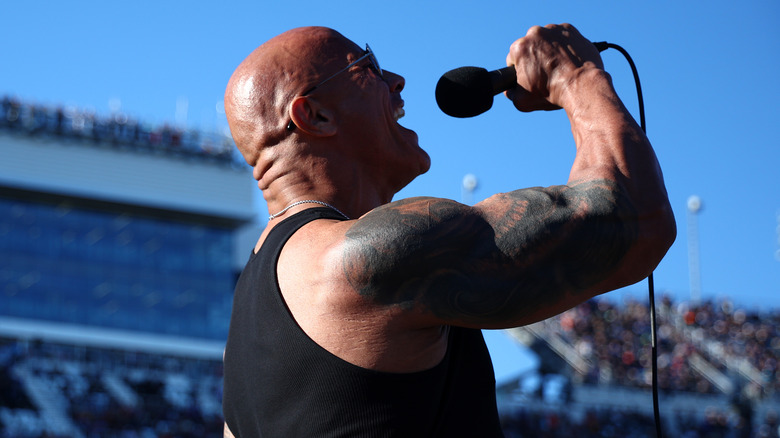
[412, 152]
[425, 159]
[414, 164]
[427, 162]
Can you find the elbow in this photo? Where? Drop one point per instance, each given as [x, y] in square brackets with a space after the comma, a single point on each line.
[663, 228]
[657, 233]
[670, 228]
[666, 231]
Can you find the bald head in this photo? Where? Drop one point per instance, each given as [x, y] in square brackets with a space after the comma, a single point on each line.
[260, 90]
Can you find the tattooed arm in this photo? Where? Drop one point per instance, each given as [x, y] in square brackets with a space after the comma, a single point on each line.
[513, 259]
[523, 256]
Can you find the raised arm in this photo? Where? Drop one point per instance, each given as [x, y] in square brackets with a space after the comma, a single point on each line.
[523, 256]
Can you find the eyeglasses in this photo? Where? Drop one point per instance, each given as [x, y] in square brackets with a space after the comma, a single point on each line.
[367, 54]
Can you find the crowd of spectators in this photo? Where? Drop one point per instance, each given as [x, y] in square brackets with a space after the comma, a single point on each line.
[625, 423]
[604, 423]
[615, 340]
[108, 393]
[722, 330]
[119, 393]
[115, 130]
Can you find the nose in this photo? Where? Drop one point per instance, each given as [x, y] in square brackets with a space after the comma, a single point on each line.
[396, 82]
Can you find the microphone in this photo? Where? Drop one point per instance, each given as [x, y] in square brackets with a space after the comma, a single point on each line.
[468, 91]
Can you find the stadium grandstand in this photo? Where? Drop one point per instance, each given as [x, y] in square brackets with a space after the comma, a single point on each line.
[120, 244]
[717, 371]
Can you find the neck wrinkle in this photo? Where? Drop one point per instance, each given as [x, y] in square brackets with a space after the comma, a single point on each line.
[322, 174]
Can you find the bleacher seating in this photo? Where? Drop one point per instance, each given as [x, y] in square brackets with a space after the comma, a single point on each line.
[717, 365]
[696, 344]
[58, 390]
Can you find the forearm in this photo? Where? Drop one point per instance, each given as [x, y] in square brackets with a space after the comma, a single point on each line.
[612, 146]
[608, 227]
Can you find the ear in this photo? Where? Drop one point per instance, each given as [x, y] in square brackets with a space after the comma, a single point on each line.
[312, 117]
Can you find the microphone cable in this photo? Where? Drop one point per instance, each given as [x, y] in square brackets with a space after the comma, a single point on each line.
[601, 46]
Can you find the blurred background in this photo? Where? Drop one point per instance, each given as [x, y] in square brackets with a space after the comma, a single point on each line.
[126, 215]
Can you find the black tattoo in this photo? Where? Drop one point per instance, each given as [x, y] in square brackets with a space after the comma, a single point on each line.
[482, 266]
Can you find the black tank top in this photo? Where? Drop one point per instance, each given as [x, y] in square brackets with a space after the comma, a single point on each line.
[279, 383]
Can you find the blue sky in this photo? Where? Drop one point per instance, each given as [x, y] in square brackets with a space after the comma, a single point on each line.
[709, 74]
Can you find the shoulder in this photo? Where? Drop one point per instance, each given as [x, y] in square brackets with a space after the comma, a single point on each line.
[407, 226]
[360, 329]
[414, 253]
[381, 258]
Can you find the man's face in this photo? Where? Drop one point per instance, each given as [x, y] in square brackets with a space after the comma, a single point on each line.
[368, 106]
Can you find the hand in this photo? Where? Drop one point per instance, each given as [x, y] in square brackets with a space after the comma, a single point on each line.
[547, 59]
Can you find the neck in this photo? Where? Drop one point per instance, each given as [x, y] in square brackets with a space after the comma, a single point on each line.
[306, 201]
[290, 189]
[331, 180]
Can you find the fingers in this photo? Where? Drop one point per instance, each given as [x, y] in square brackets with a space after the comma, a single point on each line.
[526, 102]
[544, 59]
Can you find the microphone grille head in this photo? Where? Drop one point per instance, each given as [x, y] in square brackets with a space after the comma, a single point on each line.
[465, 92]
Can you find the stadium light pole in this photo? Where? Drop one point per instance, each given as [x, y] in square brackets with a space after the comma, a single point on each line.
[467, 188]
[694, 272]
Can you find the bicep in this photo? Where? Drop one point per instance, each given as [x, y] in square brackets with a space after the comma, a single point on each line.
[493, 265]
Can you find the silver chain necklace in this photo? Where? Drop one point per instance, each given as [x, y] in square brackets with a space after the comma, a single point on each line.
[308, 201]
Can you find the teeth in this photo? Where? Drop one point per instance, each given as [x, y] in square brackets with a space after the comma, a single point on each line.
[399, 113]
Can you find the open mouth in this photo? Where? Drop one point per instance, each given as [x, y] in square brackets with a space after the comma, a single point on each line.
[399, 111]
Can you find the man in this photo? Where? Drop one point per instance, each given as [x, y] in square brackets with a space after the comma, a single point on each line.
[358, 316]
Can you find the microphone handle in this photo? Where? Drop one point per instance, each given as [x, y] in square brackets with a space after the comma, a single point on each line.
[503, 79]
[506, 78]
